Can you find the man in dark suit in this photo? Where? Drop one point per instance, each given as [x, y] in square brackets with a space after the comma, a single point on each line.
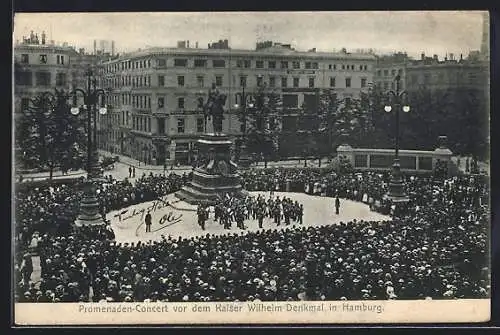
[201, 216]
[148, 222]
[337, 205]
[260, 215]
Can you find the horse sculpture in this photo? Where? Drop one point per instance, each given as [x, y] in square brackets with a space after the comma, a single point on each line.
[215, 109]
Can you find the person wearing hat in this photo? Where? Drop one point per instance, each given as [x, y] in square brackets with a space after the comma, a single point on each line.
[201, 213]
[148, 222]
[337, 205]
[260, 215]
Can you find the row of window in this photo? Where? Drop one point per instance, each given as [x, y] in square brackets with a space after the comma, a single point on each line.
[141, 101]
[42, 78]
[42, 59]
[141, 123]
[200, 81]
[389, 84]
[361, 67]
[133, 81]
[145, 101]
[392, 73]
[128, 65]
[221, 63]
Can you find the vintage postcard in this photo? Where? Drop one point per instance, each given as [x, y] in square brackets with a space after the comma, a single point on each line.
[251, 167]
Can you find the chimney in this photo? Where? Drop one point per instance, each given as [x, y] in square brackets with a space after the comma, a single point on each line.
[187, 43]
[43, 37]
[461, 57]
[112, 48]
[422, 56]
[95, 47]
[196, 45]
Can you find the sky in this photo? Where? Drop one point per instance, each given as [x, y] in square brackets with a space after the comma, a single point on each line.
[431, 32]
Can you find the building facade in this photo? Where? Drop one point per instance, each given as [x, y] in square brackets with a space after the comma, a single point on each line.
[154, 109]
[41, 66]
[387, 68]
[449, 74]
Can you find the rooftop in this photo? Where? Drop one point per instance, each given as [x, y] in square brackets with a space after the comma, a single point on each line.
[277, 50]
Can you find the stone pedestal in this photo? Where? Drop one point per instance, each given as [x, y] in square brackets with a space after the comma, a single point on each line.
[215, 175]
[89, 207]
[244, 160]
[396, 191]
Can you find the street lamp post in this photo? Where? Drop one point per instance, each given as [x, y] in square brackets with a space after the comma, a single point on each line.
[247, 101]
[89, 207]
[397, 193]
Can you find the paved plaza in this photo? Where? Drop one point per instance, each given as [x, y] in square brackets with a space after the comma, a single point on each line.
[180, 219]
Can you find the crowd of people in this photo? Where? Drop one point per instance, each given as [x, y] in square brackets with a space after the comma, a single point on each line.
[368, 187]
[52, 209]
[436, 249]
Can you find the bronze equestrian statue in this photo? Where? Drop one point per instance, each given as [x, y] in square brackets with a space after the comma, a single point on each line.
[214, 108]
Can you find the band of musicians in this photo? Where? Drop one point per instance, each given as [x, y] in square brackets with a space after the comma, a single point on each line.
[230, 209]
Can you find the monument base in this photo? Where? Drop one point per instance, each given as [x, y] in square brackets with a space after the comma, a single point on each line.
[217, 174]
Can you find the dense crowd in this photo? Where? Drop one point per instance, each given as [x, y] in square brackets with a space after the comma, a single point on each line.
[436, 248]
[368, 187]
[52, 209]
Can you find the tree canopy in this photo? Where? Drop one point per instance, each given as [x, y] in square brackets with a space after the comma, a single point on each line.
[48, 135]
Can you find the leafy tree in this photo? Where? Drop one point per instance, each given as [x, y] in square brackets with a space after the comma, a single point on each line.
[460, 114]
[344, 120]
[262, 128]
[48, 135]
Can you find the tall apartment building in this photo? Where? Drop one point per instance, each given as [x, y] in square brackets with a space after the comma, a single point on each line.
[41, 66]
[155, 115]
